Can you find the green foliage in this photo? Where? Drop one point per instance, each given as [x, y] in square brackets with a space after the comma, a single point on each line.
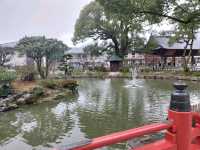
[124, 70]
[5, 90]
[26, 73]
[65, 65]
[94, 50]
[152, 44]
[145, 10]
[60, 84]
[38, 92]
[115, 30]
[155, 11]
[146, 70]
[7, 76]
[40, 48]
[196, 74]
[100, 69]
[184, 15]
[186, 32]
[70, 84]
[50, 84]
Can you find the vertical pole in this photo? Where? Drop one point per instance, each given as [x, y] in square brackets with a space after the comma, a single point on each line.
[180, 113]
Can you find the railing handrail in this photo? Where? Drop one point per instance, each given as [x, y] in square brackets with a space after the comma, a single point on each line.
[124, 136]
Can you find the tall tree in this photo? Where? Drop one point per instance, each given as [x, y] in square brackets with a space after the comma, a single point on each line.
[155, 9]
[43, 51]
[54, 52]
[94, 50]
[186, 32]
[185, 15]
[117, 30]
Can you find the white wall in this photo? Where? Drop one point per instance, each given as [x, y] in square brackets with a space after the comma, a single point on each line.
[17, 61]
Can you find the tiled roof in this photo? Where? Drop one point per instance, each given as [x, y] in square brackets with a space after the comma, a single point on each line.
[75, 50]
[9, 45]
[115, 58]
[164, 42]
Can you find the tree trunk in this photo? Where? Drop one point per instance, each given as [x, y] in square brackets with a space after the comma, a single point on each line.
[190, 53]
[116, 46]
[124, 41]
[39, 68]
[185, 65]
[47, 67]
[189, 42]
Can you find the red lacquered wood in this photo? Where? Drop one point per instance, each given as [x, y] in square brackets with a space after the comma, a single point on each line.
[124, 136]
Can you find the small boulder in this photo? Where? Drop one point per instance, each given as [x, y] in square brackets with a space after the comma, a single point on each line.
[21, 101]
[9, 107]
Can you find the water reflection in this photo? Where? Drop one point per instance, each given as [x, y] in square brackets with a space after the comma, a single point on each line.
[102, 107]
[42, 125]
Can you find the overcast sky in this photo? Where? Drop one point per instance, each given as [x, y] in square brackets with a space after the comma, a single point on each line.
[52, 18]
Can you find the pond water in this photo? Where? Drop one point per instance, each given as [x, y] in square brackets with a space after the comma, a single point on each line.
[101, 107]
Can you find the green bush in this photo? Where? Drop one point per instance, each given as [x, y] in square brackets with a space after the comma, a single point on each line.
[50, 84]
[124, 70]
[38, 91]
[69, 83]
[7, 76]
[5, 90]
[60, 84]
[26, 73]
[100, 69]
[146, 70]
[196, 74]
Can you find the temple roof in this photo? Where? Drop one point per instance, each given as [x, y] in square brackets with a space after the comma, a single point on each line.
[75, 50]
[114, 57]
[9, 45]
[164, 42]
[162, 46]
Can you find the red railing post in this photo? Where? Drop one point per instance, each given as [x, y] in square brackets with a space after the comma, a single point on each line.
[180, 113]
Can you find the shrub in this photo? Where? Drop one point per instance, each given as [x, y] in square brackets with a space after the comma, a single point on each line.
[26, 73]
[6, 76]
[60, 84]
[38, 91]
[196, 74]
[100, 69]
[70, 84]
[146, 70]
[5, 90]
[124, 70]
[50, 84]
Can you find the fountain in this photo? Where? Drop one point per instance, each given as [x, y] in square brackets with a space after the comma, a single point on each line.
[134, 83]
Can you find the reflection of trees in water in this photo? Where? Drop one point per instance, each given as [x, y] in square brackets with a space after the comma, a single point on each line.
[156, 99]
[7, 130]
[120, 109]
[50, 127]
[40, 125]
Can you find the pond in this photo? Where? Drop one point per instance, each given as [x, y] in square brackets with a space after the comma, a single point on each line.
[101, 107]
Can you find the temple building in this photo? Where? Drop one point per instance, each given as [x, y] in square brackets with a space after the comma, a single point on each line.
[172, 53]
